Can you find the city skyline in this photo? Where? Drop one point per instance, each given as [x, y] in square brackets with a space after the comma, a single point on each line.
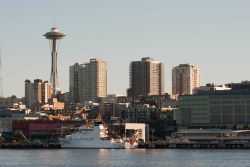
[212, 35]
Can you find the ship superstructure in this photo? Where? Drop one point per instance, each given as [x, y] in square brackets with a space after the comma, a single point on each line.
[95, 136]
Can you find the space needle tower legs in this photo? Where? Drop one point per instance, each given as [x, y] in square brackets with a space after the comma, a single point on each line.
[54, 36]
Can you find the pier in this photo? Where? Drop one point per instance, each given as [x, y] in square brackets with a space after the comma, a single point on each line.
[150, 145]
[161, 145]
[28, 146]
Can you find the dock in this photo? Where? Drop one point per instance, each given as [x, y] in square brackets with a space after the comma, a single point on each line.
[149, 145]
[161, 145]
[28, 146]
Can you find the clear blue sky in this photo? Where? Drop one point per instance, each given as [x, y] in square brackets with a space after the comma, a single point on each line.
[212, 34]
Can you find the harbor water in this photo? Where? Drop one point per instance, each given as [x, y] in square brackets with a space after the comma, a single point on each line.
[124, 158]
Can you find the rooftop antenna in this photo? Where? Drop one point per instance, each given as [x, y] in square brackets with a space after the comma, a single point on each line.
[1, 74]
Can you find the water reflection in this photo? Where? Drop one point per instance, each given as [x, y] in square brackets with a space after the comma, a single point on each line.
[103, 152]
[124, 158]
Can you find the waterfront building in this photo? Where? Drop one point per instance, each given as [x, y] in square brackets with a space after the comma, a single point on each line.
[159, 119]
[185, 78]
[42, 128]
[224, 108]
[146, 78]
[210, 136]
[143, 131]
[37, 93]
[7, 116]
[88, 81]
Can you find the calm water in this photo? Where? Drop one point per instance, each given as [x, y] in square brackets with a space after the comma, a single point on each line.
[124, 158]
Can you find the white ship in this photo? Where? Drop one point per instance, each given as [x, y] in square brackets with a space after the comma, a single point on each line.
[91, 137]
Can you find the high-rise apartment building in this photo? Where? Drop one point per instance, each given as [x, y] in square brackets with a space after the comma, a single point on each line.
[88, 81]
[46, 92]
[74, 83]
[37, 93]
[185, 78]
[28, 93]
[146, 78]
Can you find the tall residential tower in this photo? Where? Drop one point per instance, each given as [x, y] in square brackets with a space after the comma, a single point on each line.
[74, 83]
[37, 93]
[88, 81]
[185, 78]
[146, 78]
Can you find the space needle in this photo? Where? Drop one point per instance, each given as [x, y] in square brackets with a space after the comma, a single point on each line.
[54, 36]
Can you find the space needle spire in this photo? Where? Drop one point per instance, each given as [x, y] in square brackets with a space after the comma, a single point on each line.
[54, 36]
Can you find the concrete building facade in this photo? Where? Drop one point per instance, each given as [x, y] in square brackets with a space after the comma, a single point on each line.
[185, 78]
[224, 108]
[146, 78]
[37, 93]
[74, 83]
[88, 81]
[46, 92]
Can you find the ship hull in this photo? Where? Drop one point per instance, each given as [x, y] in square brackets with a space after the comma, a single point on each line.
[128, 145]
[90, 144]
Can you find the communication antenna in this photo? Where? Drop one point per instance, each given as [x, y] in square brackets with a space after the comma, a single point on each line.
[1, 74]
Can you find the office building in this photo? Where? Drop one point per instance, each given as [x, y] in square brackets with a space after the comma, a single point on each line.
[215, 109]
[146, 78]
[185, 78]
